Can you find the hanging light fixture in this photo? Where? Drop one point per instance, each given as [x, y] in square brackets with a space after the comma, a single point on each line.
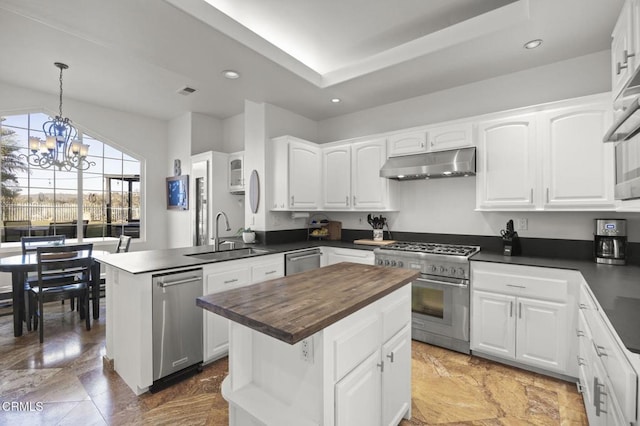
[61, 148]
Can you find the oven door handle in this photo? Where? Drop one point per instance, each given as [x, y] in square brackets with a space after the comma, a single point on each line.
[430, 281]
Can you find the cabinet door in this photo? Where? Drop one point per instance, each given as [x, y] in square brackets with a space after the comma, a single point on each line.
[369, 189]
[350, 255]
[621, 48]
[304, 175]
[336, 176]
[542, 334]
[357, 395]
[506, 163]
[236, 176]
[493, 324]
[216, 328]
[577, 166]
[277, 172]
[407, 143]
[396, 394]
[450, 137]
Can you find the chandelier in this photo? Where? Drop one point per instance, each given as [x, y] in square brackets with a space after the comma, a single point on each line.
[61, 148]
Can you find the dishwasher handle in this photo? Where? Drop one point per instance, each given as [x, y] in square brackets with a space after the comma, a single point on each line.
[306, 256]
[178, 282]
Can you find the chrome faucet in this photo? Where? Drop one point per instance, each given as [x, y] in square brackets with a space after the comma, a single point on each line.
[216, 240]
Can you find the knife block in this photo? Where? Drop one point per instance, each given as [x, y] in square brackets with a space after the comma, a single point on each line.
[511, 246]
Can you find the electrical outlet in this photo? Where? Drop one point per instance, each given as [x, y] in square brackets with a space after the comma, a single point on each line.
[306, 350]
[523, 224]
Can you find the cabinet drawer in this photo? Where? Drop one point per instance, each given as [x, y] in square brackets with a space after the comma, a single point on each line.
[397, 314]
[356, 344]
[543, 283]
[228, 280]
[268, 271]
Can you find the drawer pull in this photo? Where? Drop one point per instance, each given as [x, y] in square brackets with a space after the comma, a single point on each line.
[381, 365]
[580, 362]
[582, 306]
[231, 281]
[270, 272]
[390, 356]
[520, 310]
[600, 350]
[579, 333]
[510, 309]
[516, 286]
[597, 394]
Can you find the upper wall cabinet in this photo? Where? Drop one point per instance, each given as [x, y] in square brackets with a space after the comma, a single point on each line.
[295, 174]
[435, 138]
[506, 170]
[236, 172]
[552, 159]
[351, 176]
[623, 54]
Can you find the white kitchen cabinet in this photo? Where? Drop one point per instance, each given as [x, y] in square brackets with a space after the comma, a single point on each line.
[407, 143]
[235, 170]
[506, 163]
[396, 398]
[216, 328]
[523, 314]
[337, 255]
[450, 136]
[336, 176]
[608, 379]
[551, 158]
[294, 174]
[351, 176]
[226, 276]
[622, 49]
[369, 190]
[359, 393]
[578, 169]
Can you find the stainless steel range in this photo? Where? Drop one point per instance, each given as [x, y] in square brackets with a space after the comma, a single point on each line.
[440, 295]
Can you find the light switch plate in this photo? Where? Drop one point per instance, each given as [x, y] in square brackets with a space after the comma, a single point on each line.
[522, 224]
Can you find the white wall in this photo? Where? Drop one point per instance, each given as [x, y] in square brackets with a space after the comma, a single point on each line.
[206, 133]
[233, 134]
[179, 148]
[141, 137]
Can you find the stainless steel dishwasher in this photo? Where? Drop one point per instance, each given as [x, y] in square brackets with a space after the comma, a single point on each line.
[177, 326]
[301, 261]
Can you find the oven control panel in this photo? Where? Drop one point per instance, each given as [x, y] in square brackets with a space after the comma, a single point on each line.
[432, 266]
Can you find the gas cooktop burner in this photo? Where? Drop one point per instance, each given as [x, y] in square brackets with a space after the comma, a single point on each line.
[434, 248]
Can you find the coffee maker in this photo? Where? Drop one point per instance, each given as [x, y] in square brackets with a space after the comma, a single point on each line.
[610, 241]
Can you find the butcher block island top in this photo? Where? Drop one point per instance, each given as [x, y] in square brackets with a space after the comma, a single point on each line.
[295, 307]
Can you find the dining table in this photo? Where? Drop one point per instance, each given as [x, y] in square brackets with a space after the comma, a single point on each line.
[20, 265]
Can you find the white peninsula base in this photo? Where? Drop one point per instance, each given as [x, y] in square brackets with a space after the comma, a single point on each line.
[355, 371]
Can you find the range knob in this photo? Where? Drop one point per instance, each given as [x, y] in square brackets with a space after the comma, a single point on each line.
[400, 264]
[433, 268]
[393, 263]
[442, 269]
[452, 270]
[380, 262]
[386, 262]
[461, 272]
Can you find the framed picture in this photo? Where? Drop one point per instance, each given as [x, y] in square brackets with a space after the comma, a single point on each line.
[178, 192]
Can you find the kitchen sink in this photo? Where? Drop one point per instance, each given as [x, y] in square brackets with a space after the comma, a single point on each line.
[228, 254]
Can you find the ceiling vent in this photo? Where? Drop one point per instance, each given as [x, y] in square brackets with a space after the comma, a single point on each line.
[185, 91]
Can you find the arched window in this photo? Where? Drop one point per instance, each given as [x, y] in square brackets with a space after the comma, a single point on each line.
[99, 203]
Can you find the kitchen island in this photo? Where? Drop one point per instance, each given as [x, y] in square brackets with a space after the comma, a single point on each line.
[324, 347]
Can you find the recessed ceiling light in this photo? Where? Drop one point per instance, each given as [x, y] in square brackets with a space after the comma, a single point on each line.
[533, 44]
[231, 74]
[336, 100]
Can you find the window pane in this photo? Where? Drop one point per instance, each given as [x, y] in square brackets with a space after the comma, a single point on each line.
[131, 168]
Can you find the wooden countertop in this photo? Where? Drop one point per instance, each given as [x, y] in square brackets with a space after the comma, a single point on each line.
[295, 307]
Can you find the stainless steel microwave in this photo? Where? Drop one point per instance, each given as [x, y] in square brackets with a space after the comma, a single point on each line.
[627, 154]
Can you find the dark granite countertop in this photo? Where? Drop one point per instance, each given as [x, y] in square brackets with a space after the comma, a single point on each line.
[617, 289]
[295, 307]
[140, 262]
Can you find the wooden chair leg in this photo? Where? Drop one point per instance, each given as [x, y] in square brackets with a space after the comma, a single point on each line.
[41, 317]
[87, 317]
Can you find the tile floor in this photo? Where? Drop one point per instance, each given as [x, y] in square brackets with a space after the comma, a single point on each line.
[66, 375]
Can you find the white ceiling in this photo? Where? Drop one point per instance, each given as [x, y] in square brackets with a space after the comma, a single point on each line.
[297, 54]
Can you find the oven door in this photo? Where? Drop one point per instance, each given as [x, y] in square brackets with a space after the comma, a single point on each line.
[440, 307]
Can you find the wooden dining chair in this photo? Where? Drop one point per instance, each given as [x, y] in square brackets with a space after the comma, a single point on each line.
[30, 244]
[123, 247]
[63, 272]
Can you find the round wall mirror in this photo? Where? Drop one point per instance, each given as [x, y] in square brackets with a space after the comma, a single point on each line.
[254, 191]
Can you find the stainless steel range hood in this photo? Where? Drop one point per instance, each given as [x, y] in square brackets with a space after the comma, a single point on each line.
[456, 162]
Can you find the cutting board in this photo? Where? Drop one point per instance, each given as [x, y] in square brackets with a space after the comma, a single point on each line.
[374, 243]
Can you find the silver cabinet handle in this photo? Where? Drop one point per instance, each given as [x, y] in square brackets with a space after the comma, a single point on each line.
[582, 306]
[520, 310]
[231, 281]
[381, 365]
[579, 333]
[307, 256]
[600, 350]
[510, 308]
[624, 65]
[516, 286]
[580, 361]
[347, 200]
[531, 195]
[354, 200]
[270, 272]
[390, 356]
[422, 144]
[597, 394]
[292, 200]
[178, 282]
[430, 281]
[547, 195]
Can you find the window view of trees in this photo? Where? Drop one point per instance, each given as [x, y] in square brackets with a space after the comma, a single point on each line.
[101, 202]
